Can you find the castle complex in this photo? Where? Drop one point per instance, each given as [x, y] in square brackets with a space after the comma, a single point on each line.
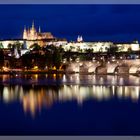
[33, 34]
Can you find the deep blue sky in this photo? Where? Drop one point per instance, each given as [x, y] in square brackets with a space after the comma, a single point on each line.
[94, 22]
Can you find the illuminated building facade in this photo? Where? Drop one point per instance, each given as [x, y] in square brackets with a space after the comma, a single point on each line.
[82, 46]
[33, 34]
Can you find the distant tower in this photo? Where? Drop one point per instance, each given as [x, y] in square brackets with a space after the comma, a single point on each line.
[80, 39]
[33, 32]
[39, 30]
[33, 25]
[136, 41]
[25, 34]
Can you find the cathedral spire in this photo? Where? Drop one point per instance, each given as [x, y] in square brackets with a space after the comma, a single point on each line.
[39, 30]
[25, 33]
[33, 25]
[80, 38]
[24, 28]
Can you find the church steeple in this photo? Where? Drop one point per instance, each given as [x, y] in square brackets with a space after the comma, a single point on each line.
[24, 28]
[33, 26]
[25, 33]
[39, 30]
[31, 33]
[80, 38]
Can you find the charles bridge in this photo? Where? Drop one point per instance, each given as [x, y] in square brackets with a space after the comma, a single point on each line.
[108, 67]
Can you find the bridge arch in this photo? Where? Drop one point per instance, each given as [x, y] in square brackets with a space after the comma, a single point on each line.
[73, 67]
[93, 68]
[133, 69]
[112, 68]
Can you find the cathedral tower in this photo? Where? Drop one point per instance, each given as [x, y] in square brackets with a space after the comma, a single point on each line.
[33, 34]
[25, 33]
[80, 39]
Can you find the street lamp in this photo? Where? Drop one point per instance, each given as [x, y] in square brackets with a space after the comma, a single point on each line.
[121, 57]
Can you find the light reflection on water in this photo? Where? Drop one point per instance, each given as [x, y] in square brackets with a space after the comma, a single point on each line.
[34, 99]
[41, 91]
[70, 79]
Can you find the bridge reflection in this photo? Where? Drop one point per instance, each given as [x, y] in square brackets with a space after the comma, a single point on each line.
[34, 98]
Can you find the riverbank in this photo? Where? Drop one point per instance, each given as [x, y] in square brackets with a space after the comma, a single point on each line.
[32, 72]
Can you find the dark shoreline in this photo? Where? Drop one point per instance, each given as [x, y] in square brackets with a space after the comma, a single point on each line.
[62, 72]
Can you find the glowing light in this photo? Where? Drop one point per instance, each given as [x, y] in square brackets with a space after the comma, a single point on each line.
[113, 57]
[64, 60]
[54, 68]
[6, 94]
[90, 70]
[64, 78]
[54, 75]
[5, 69]
[77, 69]
[135, 94]
[35, 67]
[46, 67]
[81, 64]
[121, 57]
[70, 59]
[36, 76]
[120, 91]
[113, 90]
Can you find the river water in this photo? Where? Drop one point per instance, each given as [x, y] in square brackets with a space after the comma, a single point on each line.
[69, 105]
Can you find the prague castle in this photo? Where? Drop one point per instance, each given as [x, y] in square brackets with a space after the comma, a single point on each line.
[33, 34]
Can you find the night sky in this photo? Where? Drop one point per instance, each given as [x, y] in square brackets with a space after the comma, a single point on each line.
[94, 22]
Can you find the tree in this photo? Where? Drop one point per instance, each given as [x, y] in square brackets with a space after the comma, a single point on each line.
[35, 47]
[89, 50]
[82, 57]
[112, 49]
[27, 60]
[57, 58]
[129, 50]
[1, 58]
[1, 46]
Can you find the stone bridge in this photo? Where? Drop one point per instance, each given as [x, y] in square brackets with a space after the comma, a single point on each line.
[83, 67]
[118, 66]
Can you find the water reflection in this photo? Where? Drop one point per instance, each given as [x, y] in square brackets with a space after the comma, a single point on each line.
[35, 92]
[34, 98]
[70, 79]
